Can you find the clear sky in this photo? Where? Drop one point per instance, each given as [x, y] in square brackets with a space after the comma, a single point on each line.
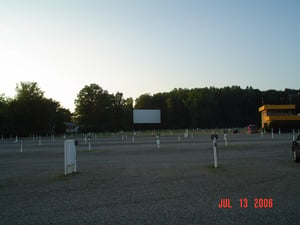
[148, 46]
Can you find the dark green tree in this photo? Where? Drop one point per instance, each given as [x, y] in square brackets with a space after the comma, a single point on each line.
[97, 110]
[31, 113]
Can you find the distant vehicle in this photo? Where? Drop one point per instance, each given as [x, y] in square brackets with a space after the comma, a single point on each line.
[252, 129]
[296, 149]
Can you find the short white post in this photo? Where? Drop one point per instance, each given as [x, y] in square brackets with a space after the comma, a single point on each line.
[178, 138]
[90, 144]
[21, 146]
[214, 138]
[272, 133]
[133, 138]
[279, 132]
[225, 139]
[53, 138]
[33, 138]
[262, 133]
[293, 135]
[186, 134]
[16, 139]
[40, 140]
[158, 141]
[85, 139]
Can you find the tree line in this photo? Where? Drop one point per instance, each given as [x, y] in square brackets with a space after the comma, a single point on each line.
[30, 113]
[97, 110]
[212, 107]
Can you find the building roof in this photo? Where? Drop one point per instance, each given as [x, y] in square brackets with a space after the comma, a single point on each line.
[276, 107]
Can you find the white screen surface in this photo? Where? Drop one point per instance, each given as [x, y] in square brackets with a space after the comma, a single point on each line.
[146, 116]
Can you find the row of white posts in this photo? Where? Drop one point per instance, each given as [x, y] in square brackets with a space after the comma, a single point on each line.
[39, 138]
[279, 132]
[70, 150]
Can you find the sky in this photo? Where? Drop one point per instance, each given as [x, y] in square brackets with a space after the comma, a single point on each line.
[148, 46]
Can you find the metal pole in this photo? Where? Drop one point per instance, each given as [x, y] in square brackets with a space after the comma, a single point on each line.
[158, 141]
[225, 139]
[293, 135]
[272, 134]
[215, 152]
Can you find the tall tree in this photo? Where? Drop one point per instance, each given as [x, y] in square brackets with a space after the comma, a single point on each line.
[27, 90]
[97, 110]
[31, 113]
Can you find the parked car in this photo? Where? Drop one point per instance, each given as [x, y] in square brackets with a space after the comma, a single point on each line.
[296, 149]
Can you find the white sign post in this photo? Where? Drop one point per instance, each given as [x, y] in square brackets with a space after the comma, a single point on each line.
[214, 138]
[158, 141]
[293, 135]
[272, 133]
[186, 134]
[90, 144]
[225, 139]
[70, 157]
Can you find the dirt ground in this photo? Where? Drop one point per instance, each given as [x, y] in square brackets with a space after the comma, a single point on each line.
[121, 182]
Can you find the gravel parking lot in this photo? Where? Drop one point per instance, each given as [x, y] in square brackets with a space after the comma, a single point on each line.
[120, 182]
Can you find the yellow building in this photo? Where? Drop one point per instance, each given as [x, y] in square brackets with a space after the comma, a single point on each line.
[279, 117]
